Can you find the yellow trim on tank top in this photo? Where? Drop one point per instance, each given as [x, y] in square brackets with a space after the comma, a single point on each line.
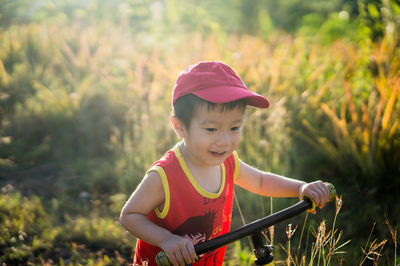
[237, 165]
[163, 213]
[192, 180]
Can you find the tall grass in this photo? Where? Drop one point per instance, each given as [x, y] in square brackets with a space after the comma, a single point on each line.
[325, 249]
[323, 245]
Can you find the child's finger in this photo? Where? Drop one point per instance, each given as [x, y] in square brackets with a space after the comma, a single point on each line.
[192, 253]
[175, 257]
[325, 193]
[322, 192]
[187, 253]
[314, 196]
[172, 258]
[321, 197]
[179, 258]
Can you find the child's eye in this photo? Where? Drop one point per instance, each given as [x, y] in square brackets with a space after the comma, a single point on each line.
[235, 128]
[210, 129]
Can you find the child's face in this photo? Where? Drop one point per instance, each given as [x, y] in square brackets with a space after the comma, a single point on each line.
[212, 135]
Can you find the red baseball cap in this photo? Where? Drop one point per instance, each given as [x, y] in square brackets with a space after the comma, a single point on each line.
[215, 82]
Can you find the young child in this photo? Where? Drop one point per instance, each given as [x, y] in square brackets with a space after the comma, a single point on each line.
[186, 197]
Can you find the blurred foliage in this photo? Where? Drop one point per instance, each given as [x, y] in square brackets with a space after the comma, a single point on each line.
[350, 134]
[28, 235]
[85, 97]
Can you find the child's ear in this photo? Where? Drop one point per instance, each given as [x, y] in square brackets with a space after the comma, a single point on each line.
[178, 126]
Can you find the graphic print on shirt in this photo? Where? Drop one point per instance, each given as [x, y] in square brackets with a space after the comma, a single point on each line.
[197, 228]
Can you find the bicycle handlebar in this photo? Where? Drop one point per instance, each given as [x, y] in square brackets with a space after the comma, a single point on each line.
[252, 228]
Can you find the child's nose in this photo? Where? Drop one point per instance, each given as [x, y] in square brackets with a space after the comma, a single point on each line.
[224, 138]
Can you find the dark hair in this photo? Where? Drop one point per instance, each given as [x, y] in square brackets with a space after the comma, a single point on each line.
[185, 105]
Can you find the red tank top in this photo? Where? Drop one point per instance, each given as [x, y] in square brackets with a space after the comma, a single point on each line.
[189, 210]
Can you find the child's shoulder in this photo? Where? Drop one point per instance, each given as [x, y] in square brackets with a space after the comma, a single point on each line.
[153, 177]
[168, 157]
[152, 183]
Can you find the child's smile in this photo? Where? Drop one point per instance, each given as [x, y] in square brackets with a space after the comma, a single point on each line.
[217, 154]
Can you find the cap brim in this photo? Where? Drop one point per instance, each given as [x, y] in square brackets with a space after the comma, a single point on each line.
[230, 94]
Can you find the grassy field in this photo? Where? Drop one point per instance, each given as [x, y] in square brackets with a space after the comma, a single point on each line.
[84, 111]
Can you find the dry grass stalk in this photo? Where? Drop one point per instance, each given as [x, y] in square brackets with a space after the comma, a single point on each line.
[393, 233]
[373, 252]
[289, 232]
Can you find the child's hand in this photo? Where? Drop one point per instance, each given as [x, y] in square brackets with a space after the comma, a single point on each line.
[179, 250]
[317, 191]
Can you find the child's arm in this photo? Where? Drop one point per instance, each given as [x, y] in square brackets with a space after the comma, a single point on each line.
[149, 195]
[272, 185]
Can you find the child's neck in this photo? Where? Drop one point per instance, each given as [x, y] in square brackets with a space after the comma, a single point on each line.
[208, 177]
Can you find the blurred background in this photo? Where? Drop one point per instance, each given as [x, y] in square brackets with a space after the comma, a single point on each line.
[85, 90]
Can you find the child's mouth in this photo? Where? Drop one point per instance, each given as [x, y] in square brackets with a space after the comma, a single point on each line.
[217, 154]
